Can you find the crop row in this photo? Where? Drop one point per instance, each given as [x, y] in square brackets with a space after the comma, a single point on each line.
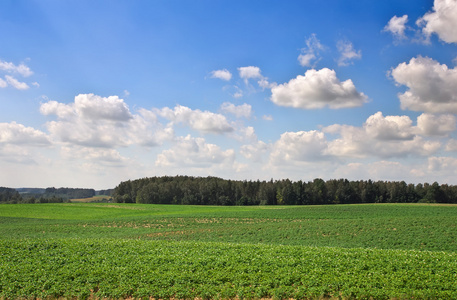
[407, 227]
[185, 270]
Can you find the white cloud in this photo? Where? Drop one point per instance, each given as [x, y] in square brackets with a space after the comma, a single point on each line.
[61, 110]
[390, 136]
[245, 134]
[397, 26]
[255, 151]
[145, 130]
[3, 83]
[317, 89]
[347, 52]
[310, 53]
[95, 107]
[302, 146]
[203, 121]
[12, 68]
[240, 111]
[265, 84]
[431, 86]
[451, 145]
[15, 154]
[252, 72]
[389, 128]
[16, 83]
[222, 74]
[267, 117]
[194, 153]
[90, 107]
[238, 93]
[379, 170]
[442, 21]
[446, 165]
[94, 121]
[89, 134]
[431, 125]
[249, 72]
[108, 157]
[18, 134]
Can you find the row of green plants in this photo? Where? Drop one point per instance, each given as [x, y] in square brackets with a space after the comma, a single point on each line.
[388, 226]
[102, 268]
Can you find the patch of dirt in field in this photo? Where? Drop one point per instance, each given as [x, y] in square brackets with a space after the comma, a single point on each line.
[177, 232]
[118, 206]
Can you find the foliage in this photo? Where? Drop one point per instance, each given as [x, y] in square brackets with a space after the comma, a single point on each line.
[217, 191]
[387, 226]
[186, 270]
[49, 195]
[103, 250]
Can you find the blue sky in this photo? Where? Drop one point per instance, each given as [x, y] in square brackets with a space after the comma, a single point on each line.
[96, 92]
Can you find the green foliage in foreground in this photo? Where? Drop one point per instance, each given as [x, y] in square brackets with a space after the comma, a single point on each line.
[182, 252]
[185, 270]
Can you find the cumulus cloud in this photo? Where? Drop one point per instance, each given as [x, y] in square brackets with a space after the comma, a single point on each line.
[432, 125]
[302, 146]
[194, 152]
[3, 83]
[94, 121]
[61, 110]
[89, 134]
[240, 111]
[252, 72]
[16, 83]
[390, 136]
[431, 85]
[94, 107]
[379, 170]
[12, 68]
[145, 130]
[309, 54]
[389, 128]
[267, 117]
[451, 145]
[222, 74]
[442, 165]
[442, 21]
[317, 89]
[90, 107]
[18, 134]
[249, 72]
[109, 157]
[203, 121]
[255, 151]
[347, 52]
[397, 26]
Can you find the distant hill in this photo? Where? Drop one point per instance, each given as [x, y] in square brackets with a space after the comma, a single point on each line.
[31, 190]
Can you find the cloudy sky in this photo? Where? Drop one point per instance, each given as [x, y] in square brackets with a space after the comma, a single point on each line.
[96, 92]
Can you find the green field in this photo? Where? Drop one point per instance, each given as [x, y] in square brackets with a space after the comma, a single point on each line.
[378, 251]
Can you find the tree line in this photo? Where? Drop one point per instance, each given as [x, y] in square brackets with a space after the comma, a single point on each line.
[48, 195]
[217, 191]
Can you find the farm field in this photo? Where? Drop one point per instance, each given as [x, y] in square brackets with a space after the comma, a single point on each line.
[99, 198]
[382, 251]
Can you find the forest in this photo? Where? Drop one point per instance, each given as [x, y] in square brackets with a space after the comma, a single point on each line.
[218, 191]
[48, 195]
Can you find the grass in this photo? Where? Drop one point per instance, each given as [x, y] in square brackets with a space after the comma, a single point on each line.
[110, 250]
